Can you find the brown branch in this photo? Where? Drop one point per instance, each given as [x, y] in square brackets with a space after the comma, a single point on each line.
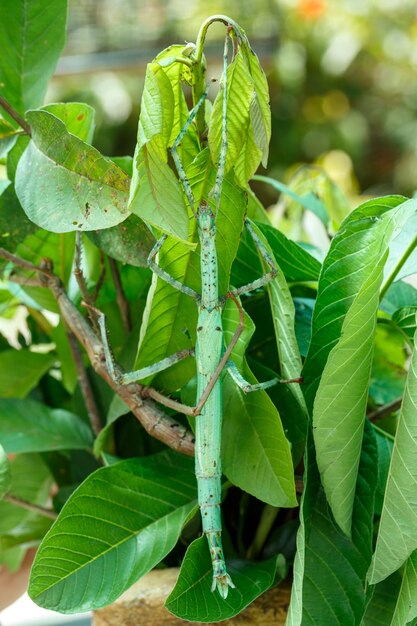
[35, 508]
[120, 296]
[85, 386]
[16, 116]
[385, 410]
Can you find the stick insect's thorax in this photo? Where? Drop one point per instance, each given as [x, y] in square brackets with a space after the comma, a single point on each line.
[208, 262]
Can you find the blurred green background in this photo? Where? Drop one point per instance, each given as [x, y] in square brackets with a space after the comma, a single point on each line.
[342, 75]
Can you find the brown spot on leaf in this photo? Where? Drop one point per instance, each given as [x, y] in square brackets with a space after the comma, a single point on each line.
[80, 116]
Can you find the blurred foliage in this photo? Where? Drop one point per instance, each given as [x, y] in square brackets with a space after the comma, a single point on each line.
[342, 78]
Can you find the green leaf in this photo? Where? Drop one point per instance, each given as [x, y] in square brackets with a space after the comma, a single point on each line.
[31, 480]
[260, 112]
[389, 365]
[283, 314]
[177, 75]
[14, 156]
[354, 252]
[406, 606]
[399, 512]
[191, 598]
[240, 93]
[156, 111]
[158, 199]
[399, 294]
[382, 605]
[113, 529]
[255, 452]
[341, 400]
[14, 225]
[64, 184]
[5, 473]
[21, 370]
[29, 426]
[129, 242]
[31, 40]
[330, 568]
[296, 263]
[8, 137]
[78, 118]
[405, 319]
[385, 443]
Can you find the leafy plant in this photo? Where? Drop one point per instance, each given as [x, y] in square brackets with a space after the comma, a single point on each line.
[345, 438]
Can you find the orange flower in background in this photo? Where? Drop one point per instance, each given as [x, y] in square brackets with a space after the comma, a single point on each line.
[311, 9]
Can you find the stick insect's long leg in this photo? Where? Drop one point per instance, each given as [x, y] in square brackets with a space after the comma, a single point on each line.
[266, 278]
[174, 151]
[130, 377]
[153, 265]
[248, 387]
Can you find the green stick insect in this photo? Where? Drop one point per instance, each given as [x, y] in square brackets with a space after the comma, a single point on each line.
[211, 354]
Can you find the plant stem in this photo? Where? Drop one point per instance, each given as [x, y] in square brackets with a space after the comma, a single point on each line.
[397, 268]
[268, 517]
[385, 410]
[85, 386]
[35, 508]
[16, 116]
[120, 296]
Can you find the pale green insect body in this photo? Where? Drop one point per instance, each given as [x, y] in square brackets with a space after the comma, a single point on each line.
[209, 348]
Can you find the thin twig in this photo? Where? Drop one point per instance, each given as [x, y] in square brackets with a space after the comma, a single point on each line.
[35, 508]
[385, 410]
[16, 116]
[85, 386]
[120, 295]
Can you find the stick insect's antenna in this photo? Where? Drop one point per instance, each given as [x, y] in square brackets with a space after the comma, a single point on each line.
[217, 189]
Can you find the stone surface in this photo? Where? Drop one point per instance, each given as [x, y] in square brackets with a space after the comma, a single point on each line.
[143, 605]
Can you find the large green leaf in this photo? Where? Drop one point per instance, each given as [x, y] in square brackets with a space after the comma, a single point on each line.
[330, 569]
[29, 426]
[114, 528]
[8, 137]
[255, 452]
[5, 473]
[64, 184]
[240, 92]
[21, 370]
[341, 399]
[191, 598]
[32, 36]
[354, 252]
[399, 512]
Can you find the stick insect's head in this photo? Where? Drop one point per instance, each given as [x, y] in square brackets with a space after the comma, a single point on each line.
[206, 219]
